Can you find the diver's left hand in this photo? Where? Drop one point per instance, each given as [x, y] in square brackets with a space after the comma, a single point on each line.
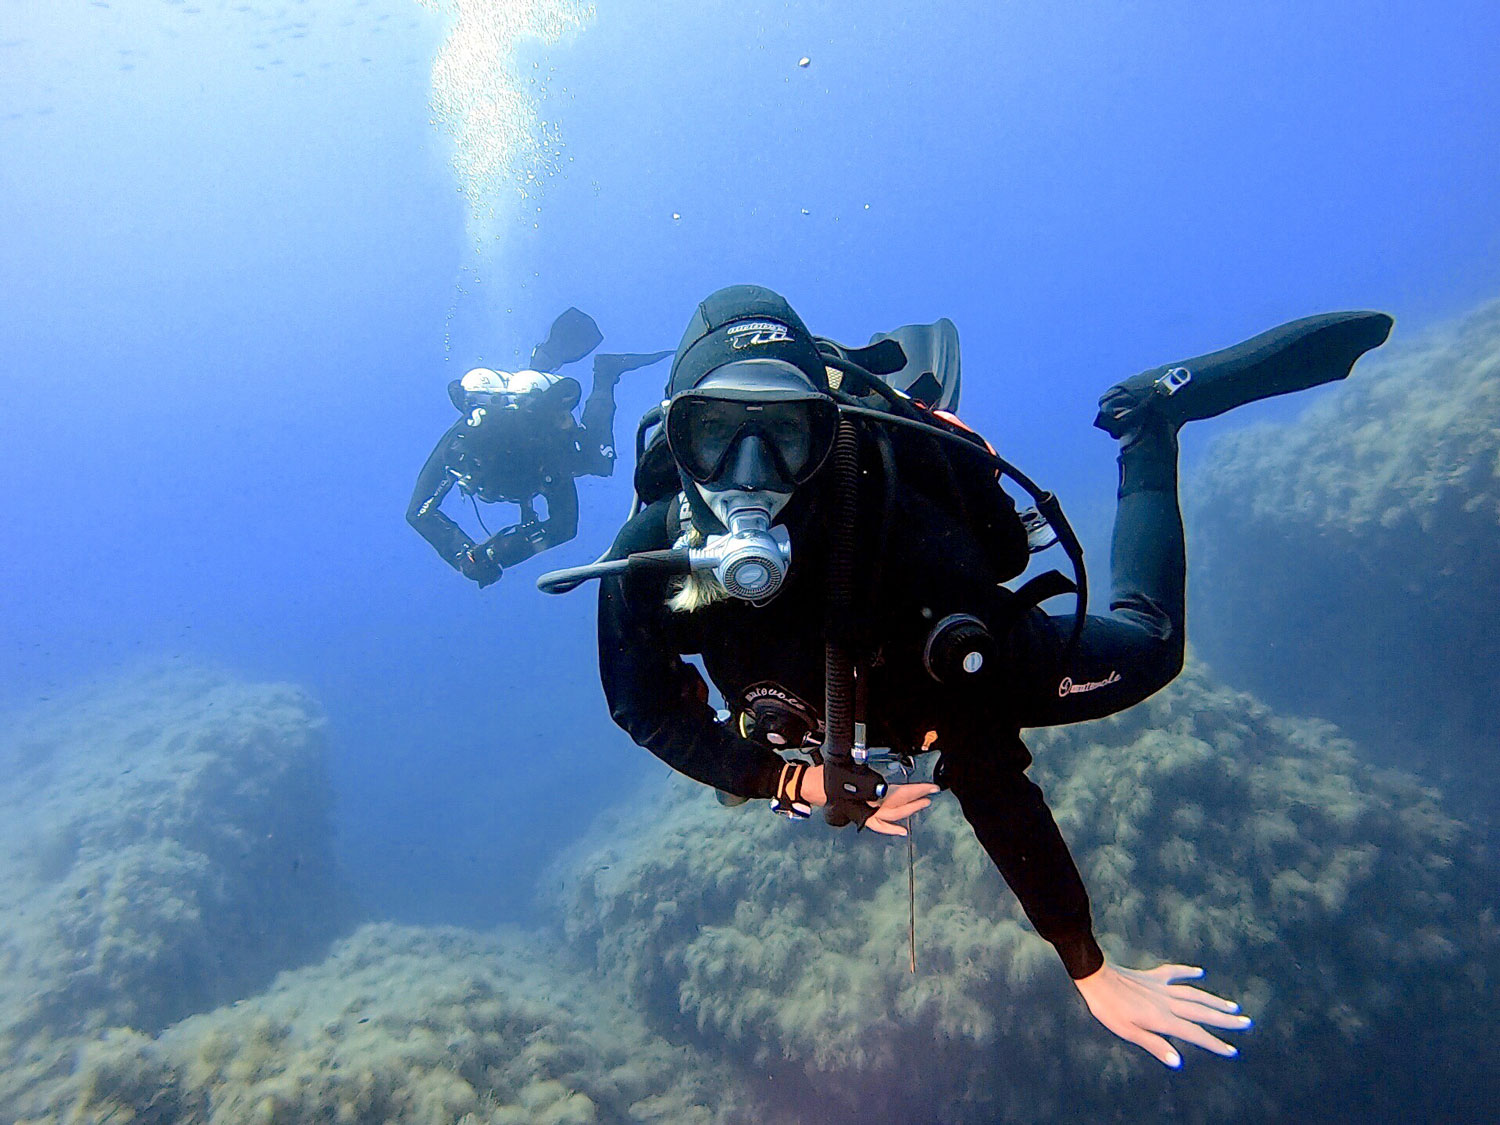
[1142, 1006]
[899, 802]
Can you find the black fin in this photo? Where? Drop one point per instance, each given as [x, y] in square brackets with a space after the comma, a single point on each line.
[879, 357]
[932, 372]
[573, 335]
[1291, 357]
[611, 365]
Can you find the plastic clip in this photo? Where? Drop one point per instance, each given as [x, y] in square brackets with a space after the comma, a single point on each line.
[1174, 380]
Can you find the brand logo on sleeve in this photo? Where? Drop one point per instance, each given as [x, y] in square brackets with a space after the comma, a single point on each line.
[1068, 687]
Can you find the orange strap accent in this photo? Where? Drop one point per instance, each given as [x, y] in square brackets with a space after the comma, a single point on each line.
[948, 416]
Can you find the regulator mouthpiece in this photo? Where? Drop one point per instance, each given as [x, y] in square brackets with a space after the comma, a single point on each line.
[750, 562]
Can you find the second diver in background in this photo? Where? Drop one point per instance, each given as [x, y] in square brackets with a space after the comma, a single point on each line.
[516, 440]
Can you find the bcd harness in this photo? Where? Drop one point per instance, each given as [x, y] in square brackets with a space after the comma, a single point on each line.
[959, 644]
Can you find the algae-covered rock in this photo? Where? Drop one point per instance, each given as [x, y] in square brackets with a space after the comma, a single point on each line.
[1346, 564]
[1340, 904]
[164, 847]
[405, 1026]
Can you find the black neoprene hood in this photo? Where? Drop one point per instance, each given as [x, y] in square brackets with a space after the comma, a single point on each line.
[744, 322]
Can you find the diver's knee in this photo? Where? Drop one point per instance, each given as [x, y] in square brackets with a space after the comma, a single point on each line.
[1169, 658]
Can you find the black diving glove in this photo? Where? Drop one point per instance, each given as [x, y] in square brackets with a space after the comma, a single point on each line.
[850, 788]
[477, 565]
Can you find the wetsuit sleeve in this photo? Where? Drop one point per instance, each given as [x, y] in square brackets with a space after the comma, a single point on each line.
[658, 698]
[424, 512]
[521, 541]
[1013, 824]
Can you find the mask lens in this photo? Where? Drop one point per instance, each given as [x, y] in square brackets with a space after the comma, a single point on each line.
[700, 431]
[800, 434]
[703, 430]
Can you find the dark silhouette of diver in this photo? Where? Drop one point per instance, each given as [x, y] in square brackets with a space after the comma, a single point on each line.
[835, 549]
[517, 440]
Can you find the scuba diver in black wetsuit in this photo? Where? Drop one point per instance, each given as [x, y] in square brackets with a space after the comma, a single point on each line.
[517, 440]
[835, 552]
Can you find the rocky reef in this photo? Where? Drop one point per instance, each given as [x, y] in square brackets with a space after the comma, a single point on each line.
[1345, 565]
[166, 851]
[409, 1026]
[1339, 904]
[164, 848]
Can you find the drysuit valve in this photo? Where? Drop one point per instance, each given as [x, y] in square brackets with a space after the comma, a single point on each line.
[958, 649]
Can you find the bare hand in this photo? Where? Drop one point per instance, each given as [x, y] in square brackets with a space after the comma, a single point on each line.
[900, 802]
[1142, 1006]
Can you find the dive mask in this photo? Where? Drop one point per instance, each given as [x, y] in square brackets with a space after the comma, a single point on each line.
[795, 428]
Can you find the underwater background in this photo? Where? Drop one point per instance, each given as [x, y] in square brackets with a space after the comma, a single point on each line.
[298, 825]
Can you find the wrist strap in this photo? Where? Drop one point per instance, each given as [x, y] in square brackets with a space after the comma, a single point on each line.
[789, 802]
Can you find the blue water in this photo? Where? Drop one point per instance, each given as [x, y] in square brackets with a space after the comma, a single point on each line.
[234, 291]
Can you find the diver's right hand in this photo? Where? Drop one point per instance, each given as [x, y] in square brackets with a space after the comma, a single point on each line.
[900, 802]
[1145, 1006]
[477, 566]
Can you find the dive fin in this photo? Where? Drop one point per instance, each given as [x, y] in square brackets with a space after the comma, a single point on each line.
[611, 365]
[881, 356]
[1293, 357]
[931, 371]
[572, 336]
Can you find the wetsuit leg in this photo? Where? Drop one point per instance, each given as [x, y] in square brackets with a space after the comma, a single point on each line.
[596, 445]
[1148, 562]
[1137, 649]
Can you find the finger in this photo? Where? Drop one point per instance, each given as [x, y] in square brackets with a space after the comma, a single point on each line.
[910, 792]
[901, 812]
[1153, 1045]
[1192, 1033]
[1209, 1017]
[874, 824]
[1188, 992]
[885, 816]
[906, 801]
[1169, 973]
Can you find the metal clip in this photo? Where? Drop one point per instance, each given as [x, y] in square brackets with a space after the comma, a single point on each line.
[1174, 380]
[1039, 533]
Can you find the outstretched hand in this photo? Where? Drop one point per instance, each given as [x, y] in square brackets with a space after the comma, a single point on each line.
[1142, 1006]
[899, 802]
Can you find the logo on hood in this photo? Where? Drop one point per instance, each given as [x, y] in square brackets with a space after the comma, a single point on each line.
[755, 333]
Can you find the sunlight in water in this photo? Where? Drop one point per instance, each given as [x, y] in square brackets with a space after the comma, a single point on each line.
[481, 97]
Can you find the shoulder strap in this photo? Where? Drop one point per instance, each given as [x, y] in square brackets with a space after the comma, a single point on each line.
[1050, 584]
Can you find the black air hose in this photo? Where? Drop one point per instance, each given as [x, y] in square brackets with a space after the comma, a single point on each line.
[838, 686]
[849, 785]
